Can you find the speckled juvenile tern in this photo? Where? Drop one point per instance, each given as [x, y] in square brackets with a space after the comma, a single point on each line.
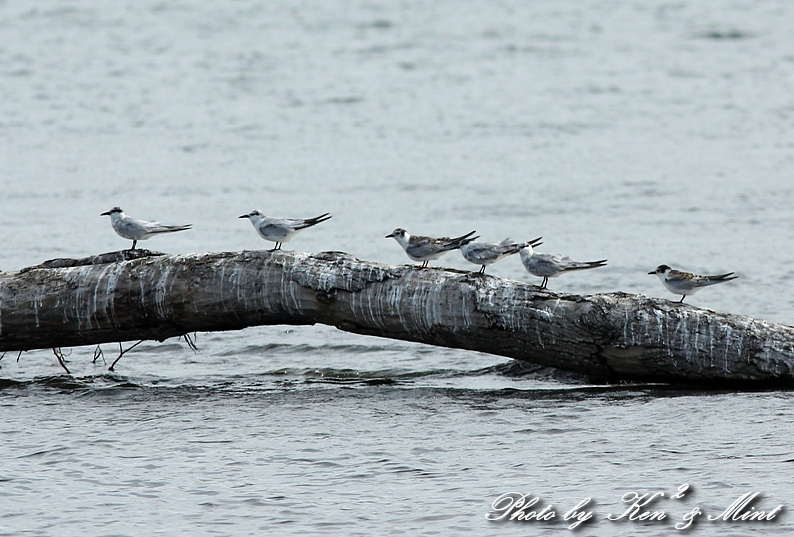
[487, 253]
[138, 230]
[425, 249]
[280, 230]
[686, 283]
[552, 265]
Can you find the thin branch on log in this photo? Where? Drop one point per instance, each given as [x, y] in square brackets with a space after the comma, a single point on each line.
[190, 342]
[122, 353]
[98, 354]
[61, 359]
[607, 336]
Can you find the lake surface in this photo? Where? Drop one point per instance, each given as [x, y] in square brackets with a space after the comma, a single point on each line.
[641, 132]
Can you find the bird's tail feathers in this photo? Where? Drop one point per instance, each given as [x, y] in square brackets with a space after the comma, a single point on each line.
[511, 247]
[722, 277]
[534, 242]
[464, 242]
[171, 229]
[466, 236]
[457, 242]
[584, 265]
[309, 222]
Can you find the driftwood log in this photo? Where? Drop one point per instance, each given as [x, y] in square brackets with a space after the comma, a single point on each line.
[127, 296]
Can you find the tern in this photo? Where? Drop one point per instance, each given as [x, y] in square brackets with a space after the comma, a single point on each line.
[280, 230]
[552, 265]
[486, 253]
[425, 249]
[686, 283]
[138, 230]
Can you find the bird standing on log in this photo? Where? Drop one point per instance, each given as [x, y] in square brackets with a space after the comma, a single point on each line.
[138, 230]
[487, 253]
[280, 230]
[552, 265]
[686, 283]
[425, 249]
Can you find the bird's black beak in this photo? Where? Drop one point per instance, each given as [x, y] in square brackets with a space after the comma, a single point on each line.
[107, 213]
[652, 272]
[243, 216]
[389, 236]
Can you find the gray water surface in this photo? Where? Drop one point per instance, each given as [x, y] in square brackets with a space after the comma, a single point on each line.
[641, 132]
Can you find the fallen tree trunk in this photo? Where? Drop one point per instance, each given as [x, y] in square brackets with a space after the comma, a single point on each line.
[132, 296]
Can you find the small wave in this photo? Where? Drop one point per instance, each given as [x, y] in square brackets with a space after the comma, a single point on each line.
[353, 376]
[305, 349]
[8, 383]
[43, 452]
[67, 383]
[729, 34]
[509, 380]
[526, 370]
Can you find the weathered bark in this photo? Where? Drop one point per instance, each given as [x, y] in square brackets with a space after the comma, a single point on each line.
[608, 336]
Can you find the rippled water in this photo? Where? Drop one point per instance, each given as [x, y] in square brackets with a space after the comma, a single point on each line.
[644, 132]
